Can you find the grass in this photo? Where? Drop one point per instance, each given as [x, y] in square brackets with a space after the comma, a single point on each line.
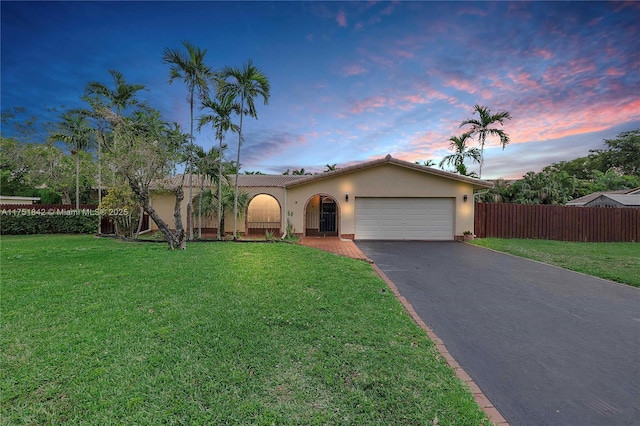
[618, 262]
[99, 331]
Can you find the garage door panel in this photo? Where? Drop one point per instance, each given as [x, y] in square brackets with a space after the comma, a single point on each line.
[404, 218]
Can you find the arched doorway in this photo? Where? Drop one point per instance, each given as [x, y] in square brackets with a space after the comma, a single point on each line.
[321, 216]
[263, 215]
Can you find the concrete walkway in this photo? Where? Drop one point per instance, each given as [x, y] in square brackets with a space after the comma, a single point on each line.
[335, 245]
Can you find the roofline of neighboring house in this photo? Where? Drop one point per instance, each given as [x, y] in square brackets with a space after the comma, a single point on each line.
[389, 159]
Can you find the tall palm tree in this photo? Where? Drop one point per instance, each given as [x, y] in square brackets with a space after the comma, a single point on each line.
[121, 97]
[244, 85]
[481, 127]
[461, 153]
[189, 66]
[74, 131]
[220, 119]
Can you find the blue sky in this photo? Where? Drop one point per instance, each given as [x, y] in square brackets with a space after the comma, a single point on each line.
[353, 81]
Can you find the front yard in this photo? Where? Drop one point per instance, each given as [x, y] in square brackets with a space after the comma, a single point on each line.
[98, 331]
[613, 261]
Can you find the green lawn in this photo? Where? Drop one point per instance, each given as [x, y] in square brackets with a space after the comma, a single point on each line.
[613, 261]
[98, 331]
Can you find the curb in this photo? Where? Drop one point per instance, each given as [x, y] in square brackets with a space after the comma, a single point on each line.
[481, 399]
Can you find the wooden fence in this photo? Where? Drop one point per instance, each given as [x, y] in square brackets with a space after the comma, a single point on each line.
[106, 224]
[562, 223]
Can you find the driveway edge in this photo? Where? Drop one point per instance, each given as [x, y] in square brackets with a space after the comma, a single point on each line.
[481, 399]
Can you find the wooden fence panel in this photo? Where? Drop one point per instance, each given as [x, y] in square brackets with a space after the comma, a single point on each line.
[563, 223]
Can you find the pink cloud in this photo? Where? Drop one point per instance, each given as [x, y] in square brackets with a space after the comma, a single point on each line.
[369, 104]
[353, 70]
[462, 85]
[546, 54]
[523, 79]
[615, 72]
[341, 19]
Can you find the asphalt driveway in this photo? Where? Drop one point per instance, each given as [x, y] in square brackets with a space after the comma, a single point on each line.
[546, 345]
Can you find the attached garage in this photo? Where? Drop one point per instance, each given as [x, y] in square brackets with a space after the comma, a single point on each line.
[398, 218]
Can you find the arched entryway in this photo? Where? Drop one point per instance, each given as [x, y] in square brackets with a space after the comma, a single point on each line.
[321, 216]
[263, 215]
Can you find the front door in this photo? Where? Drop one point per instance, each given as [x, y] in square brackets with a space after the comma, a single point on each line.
[327, 215]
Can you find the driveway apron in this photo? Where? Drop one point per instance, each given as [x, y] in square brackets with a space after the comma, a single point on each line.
[546, 345]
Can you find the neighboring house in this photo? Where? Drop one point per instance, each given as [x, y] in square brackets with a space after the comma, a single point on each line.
[587, 200]
[615, 200]
[12, 199]
[385, 199]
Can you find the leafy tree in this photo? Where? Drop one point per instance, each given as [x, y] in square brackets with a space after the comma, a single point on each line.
[544, 188]
[247, 172]
[331, 168]
[122, 207]
[243, 85]
[98, 96]
[461, 153]
[190, 68]
[287, 172]
[623, 152]
[76, 133]
[219, 117]
[145, 150]
[482, 127]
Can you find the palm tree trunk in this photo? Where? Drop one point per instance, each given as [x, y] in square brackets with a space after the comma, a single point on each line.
[190, 204]
[235, 194]
[482, 139]
[200, 206]
[219, 191]
[78, 180]
[99, 184]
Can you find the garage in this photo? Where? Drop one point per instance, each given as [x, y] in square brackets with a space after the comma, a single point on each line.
[378, 218]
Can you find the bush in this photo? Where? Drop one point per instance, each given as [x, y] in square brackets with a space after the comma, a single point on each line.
[22, 224]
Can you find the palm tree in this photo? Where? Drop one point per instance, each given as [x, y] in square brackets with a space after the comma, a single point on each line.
[190, 68]
[244, 85]
[331, 168]
[76, 133]
[220, 119]
[121, 97]
[481, 127]
[461, 153]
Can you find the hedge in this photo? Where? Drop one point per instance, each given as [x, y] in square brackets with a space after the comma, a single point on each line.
[22, 224]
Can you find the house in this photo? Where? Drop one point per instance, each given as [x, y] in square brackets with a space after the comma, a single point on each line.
[618, 198]
[384, 199]
[615, 200]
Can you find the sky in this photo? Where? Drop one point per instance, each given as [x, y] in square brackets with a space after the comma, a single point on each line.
[352, 81]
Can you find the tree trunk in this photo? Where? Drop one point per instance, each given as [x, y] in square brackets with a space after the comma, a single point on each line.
[219, 191]
[177, 239]
[140, 222]
[190, 204]
[235, 195]
[78, 180]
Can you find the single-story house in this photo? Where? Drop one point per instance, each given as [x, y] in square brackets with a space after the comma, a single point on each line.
[384, 199]
[615, 200]
[585, 200]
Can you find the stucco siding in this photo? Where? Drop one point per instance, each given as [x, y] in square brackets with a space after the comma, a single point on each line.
[386, 180]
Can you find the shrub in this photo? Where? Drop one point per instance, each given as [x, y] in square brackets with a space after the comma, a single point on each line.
[72, 222]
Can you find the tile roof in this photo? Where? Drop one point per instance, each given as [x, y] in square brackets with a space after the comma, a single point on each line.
[285, 181]
[389, 159]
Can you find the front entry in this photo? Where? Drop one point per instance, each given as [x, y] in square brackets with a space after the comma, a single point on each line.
[327, 215]
[321, 217]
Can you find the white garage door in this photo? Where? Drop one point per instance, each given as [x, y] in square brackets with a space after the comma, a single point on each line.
[404, 218]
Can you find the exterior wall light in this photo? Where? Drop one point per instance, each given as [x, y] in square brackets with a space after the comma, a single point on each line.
[465, 197]
[346, 197]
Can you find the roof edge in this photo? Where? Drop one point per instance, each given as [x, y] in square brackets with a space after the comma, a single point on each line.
[477, 183]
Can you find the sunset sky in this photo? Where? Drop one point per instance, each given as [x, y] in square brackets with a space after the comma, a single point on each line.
[353, 81]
